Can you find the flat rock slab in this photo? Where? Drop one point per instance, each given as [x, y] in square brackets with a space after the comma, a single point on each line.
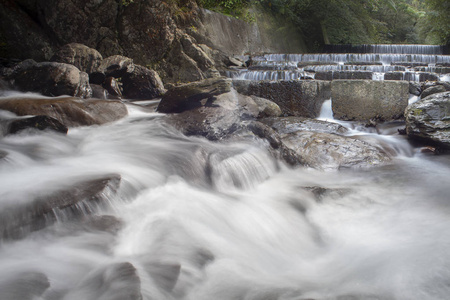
[69, 111]
[363, 100]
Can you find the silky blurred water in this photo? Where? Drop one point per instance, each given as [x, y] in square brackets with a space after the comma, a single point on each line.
[224, 220]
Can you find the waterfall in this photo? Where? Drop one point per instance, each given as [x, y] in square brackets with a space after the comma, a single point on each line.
[387, 48]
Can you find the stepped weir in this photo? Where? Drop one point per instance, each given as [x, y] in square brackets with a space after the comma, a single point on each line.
[376, 62]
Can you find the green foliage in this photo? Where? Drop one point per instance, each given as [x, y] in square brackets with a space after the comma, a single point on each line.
[435, 25]
[126, 2]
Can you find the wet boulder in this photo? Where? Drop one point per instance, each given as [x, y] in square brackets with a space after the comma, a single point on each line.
[432, 90]
[113, 66]
[36, 123]
[113, 88]
[27, 215]
[428, 119]
[266, 107]
[50, 79]
[113, 282]
[69, 111]
[294, 97]
[84, 58]
[325, 151]
[363, 100]
[286, 125]
[142, 83]
[215, 117]
[189, 96]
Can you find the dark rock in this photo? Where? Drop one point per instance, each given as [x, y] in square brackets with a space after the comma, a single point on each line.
[117, 281]
[265, 132]
[37, 122]
[295, 98]
[195, 52]
[266, 107]
[142, 83]
[116, 66]
[326, 151]
[23, 285]
[333, 75]
[98, 91]
[113, 88]
[432, 90]
[104, 223]
[69, 111]
[414, 88]
[22, 218]
[84, 58]
[188, 96]
[363, 100]
[428, 119]
[214, 117]
[286, 125]
[148, 30]
[50, 79]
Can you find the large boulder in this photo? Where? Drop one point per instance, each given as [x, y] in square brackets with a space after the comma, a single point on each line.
[50, 79]
[84, 58]
[69, 111]
[325, 151]
[266, 107]
[428, 119]
[214, 117]
[113, 66]
[188, 96]
[36, 123]
[294, 97]
[435, 89]
[142, 83]
[365, 100]
[25, 285]
[22, 218]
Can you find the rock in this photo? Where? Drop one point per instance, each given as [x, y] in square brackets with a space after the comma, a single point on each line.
[266, 107]
[424, 76]
[69, 111]
[103, 223]
[295, 98]
[428, 119]
[332, 75]
[98, 91]
[142, 83]
[195, 52]
[363, 100]
[414, 88]
[214, 117]
[84, 58]
[113, 88]
[286, 125]
[37, 122]
[117, 281]
[116, 66]
[188, 96]
[22, 218]
[432, 90]
[325, 151]
[23, 285]
[50, 79]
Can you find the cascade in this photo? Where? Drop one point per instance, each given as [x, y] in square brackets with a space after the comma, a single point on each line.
[407, 62]
[184, 218]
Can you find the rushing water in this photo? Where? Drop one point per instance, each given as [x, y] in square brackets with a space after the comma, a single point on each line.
[248, 228]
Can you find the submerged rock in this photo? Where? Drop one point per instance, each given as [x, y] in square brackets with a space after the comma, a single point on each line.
[22, 218]
[23, 285]
[428, 119]
[37, 122]
[69, 111]
[363, 100]
[117, 281]
[50, 79]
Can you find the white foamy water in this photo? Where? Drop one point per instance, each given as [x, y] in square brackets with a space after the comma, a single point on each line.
[224, 220]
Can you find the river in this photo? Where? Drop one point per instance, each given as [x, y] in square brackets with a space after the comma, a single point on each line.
[208, 220]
